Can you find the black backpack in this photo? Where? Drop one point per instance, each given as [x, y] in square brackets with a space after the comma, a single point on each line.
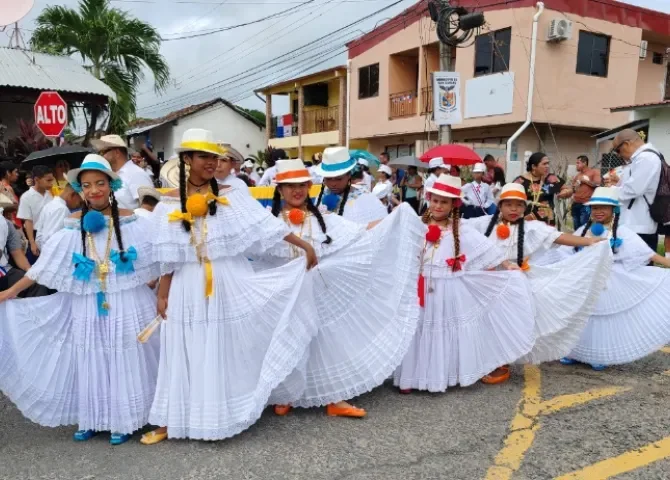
[659, 208]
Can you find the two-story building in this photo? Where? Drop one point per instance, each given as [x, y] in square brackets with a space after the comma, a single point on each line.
[605, 53]
[317, 115]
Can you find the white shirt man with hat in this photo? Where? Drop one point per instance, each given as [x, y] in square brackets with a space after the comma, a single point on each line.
[478, 196]
[436, 167]
[339, 195]
[114, 149]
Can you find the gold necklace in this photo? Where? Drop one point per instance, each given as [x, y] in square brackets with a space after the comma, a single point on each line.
[102, 264]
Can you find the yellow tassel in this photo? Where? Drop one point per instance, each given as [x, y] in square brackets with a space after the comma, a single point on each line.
[209, 278]
[178, 216]
[222, 200]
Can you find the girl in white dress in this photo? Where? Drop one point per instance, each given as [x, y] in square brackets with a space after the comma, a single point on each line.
[231, 335]
[564, 293]
[339, 195]
[360, 342]
[472, 320]
[631, 319]
[73, 357]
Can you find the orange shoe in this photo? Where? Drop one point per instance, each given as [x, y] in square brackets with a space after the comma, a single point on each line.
[333, 410]
[282, 410]
[497, 376]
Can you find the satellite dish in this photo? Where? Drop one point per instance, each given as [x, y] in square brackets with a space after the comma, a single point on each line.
[14, 10]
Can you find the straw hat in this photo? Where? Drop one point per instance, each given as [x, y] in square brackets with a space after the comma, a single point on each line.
[364, 162]
[199, 140]
[108, 141]
[604, 196]
[6, 202]
[291, 171]
[437, 162]
[479, 168]
[92, 161]
[385, 169]
[446, 186]
[170, 172]
[148, 192]
[336, 162]
[513, 191]
[382, 190]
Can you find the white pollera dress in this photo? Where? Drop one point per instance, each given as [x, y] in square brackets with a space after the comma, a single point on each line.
[221, 356]
[364, 290]
[474, 320]
[362, 206]
[564, 293]
[61, 361]
[632, 316]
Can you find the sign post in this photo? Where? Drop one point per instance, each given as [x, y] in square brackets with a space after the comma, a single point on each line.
[50, 114]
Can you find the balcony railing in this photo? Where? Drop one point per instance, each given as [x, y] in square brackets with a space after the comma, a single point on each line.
[402, 104]
[426, 100]
[321, 120]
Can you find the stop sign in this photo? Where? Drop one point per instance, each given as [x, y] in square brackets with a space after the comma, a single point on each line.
[51, 114]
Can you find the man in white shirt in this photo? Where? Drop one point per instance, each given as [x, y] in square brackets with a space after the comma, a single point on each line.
[149, 198]
[436, 167]
[31, 204]
[54, 213]
[115, 151]
[637, 185]
[477, 194]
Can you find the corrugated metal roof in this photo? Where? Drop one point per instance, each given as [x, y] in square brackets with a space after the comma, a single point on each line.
[641, 106]
[26, 69]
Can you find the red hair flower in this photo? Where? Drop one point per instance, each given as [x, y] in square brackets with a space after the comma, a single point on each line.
[434, 233]
[296, 216]
[502, 231]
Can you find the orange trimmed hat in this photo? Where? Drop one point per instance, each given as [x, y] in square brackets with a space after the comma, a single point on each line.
[513, 191]
[292, 171]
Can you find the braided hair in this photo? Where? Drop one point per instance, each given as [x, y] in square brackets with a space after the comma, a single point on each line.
[520, 235]
[492, 223]
[615, 227]
[213, 185]
[345, 196]
[115, 219]
[455, 224]
[425, 218]
[587, 227]
[318, 200]
[311, 208]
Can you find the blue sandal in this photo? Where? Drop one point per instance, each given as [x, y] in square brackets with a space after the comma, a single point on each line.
[568, 361]
[598, 367]
[119, 438]
[84, 435]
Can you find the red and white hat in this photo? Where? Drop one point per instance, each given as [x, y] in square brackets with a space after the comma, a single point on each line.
[291, 171]
[446, 186]
[513, 191]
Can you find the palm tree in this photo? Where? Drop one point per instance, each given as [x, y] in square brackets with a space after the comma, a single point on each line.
[115, 48]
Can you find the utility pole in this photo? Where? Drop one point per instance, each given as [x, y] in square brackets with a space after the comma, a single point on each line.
[444, 133]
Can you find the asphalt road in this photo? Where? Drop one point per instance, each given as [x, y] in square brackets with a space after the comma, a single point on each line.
[463, 434]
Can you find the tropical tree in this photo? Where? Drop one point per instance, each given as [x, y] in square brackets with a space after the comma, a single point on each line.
[114, 46]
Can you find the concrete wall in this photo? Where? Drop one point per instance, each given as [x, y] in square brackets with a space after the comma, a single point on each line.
[10, 113]
[659, 127]
[651, 77]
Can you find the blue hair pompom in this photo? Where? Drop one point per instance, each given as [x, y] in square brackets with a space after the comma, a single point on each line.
[331, 201]
[94, 222]
[116, 184]
[616, 243]
[617, 210]
[76, 186]
[597, 229]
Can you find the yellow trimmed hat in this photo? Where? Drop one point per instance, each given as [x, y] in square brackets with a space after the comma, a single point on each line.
[199, 140]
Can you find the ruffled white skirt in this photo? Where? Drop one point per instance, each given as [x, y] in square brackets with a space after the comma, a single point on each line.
[565, 295]
[473, 322]
[62, 364]
[631, 319]
[367, 306]
[221, 357]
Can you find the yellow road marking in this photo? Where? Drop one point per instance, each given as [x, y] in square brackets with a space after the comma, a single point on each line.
[526, 424]
[626, 462]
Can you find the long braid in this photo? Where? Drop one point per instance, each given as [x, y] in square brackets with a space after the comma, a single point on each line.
[586, 229]
[276, 202]
[345, 196]
[522, 234]
[117, 227]
[84, 211]
[426, 216]
[492, 223]
[318, 200]
[319, 218]
[214, 185]
[182, 190]
[615, 227]
[455, 223]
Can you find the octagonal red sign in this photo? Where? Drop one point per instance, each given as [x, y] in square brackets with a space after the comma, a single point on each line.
[50, 114]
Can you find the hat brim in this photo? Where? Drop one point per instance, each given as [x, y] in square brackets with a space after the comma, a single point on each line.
[73, 174]
[213, 151]
[100, 145]
[294, 180]
[441, 193]
[606, 204]
[333, 173]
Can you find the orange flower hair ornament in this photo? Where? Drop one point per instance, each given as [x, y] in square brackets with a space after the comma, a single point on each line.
[502, 231]
[296, 216]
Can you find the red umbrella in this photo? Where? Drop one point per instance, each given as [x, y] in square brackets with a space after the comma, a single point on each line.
[453, 155]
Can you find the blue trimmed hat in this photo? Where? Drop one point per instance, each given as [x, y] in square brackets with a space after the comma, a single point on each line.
[336, 162]
[96, 162]
[604, 196]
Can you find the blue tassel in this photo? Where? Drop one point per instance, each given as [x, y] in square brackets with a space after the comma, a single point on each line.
[597, 229]
[83, 267]
[127, 266]
[102, 304]
[616, 244]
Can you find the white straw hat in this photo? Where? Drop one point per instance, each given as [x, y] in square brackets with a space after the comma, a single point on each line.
[436, 162]
[291, 171]
[199, 140]
[108, 141]
[336, 162]
[92, 161]
[604, 196]
[513, 191]
[479, 168]
[385, 169]
[446, 186]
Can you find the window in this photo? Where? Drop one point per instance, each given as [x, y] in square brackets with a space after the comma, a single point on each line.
[593, 54]
[368, 81]
[492, 52]
[657, 58]
[397, 151]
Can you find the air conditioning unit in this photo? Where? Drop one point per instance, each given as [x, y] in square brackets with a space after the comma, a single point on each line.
[643, 49]
[559, 30]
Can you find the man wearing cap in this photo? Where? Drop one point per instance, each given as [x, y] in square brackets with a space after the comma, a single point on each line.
[478, 198]
[54, 213]
[436, 167]
[115, 151]
[149, 198]
[249, 171]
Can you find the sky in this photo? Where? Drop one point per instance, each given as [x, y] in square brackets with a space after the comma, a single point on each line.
[217, 65]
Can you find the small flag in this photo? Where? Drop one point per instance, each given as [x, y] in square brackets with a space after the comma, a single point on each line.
[3, 272]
